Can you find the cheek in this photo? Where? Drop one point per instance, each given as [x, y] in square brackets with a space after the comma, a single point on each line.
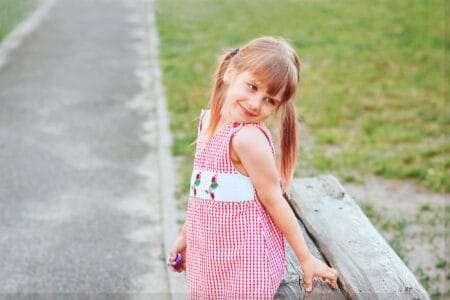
[235, 90]
[228, 95]
[234, 94]
[268, 110]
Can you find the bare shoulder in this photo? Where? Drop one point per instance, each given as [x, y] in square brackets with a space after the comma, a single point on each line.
[252, 140]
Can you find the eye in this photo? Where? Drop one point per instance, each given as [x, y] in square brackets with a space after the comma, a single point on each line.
[271, 101]
[252, 87]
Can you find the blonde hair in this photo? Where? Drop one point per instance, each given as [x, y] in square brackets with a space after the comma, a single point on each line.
[274, 62]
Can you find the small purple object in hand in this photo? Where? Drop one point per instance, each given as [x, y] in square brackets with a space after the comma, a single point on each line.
[178, 261]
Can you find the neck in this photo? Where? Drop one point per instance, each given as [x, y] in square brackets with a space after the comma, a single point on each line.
[224, 120]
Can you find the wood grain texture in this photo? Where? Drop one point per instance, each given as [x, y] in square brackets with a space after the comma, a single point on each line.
[292, 286]
[368, 267]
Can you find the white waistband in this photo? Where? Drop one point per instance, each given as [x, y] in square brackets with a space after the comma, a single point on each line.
[221, 187]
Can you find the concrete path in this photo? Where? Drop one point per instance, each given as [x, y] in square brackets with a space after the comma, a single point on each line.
[80, 207]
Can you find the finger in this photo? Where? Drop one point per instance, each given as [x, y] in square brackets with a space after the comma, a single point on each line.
[170, 259]
[333, 277]
[178, 270]
[334, 281]
[308, 284]
[328, 276]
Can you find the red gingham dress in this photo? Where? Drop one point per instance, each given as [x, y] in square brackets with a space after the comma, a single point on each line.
[234, 249]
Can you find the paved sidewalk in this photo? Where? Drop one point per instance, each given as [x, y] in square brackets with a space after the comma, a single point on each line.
[80, 213]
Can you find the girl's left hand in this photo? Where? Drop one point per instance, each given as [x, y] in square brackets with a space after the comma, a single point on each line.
[313, 267]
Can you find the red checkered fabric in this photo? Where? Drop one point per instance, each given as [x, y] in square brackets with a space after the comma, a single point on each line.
[234, 249]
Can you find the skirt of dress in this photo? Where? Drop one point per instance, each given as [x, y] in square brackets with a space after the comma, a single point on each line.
[234, 251]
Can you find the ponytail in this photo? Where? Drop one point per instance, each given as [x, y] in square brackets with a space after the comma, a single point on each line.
[288, 145]
[218, 92]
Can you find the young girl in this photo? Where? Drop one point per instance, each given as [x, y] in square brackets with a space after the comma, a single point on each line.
[232, 243]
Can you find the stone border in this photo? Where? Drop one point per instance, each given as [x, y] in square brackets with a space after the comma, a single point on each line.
[165, 161]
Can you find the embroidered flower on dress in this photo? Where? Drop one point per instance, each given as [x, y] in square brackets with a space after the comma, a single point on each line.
[196, 183]
[214, 185]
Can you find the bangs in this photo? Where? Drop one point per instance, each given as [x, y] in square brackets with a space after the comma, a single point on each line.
[275, 74]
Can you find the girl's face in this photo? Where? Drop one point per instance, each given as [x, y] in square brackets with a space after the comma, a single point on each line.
[246, 99]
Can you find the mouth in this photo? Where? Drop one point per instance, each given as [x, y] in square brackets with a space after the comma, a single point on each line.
[246, 112]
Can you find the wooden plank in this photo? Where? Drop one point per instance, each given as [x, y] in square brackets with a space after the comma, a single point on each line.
[292, 286]
[368, 267]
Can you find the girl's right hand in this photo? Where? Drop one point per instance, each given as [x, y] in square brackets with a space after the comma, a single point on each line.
[179, 246]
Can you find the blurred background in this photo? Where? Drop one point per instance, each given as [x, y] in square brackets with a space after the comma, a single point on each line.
[12, 12]
[373, 103]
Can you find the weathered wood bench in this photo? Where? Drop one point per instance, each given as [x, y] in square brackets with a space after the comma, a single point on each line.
[339, 233]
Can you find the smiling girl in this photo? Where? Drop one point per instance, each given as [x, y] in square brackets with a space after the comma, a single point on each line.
[232, 242]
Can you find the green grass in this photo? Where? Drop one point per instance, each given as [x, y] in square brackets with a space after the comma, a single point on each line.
[405, 233]
[441, 263]
[373, 91]
[373, 81]
[12, 12]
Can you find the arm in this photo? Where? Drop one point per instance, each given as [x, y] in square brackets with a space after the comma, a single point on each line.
[253, 151]
[183, 229]
[251, 147]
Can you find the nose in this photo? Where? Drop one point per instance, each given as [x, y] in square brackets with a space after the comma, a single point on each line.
[254, 103]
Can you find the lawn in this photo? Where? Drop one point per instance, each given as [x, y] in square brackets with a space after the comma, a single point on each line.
[373, 92]
[12, 12]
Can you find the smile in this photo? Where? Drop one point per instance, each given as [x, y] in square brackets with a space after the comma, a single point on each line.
[247, 112]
